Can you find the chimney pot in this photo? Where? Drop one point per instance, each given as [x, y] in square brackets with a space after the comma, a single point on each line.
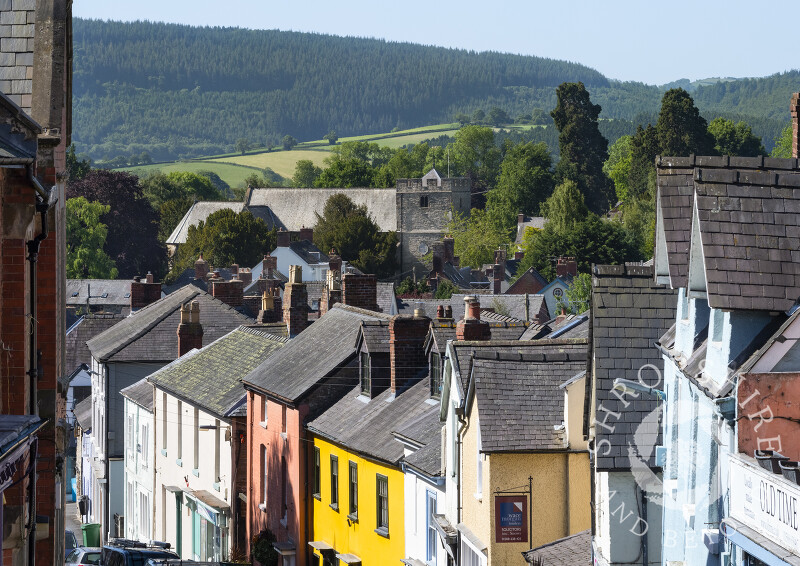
[295, 274]
[440, 311]
[149, 277]
[520, 219]
[448, 311]
[471, 327]
[200, 268]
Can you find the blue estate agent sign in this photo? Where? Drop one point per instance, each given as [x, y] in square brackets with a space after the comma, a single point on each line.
[511, 518]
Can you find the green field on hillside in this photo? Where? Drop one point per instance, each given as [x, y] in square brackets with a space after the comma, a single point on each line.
[232, 174]
[282, 162]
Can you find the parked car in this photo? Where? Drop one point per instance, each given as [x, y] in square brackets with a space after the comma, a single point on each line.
[124, 552]
[83, 555]
[70, 542]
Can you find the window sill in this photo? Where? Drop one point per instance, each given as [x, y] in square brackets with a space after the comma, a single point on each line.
[382, 531]
[353, 517]
[262, 424]
[196, 472]
[317, 496]
[335, 507]
[163, 451]
[179, 463]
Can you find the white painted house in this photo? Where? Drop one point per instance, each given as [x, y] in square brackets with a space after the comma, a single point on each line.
[424, 490]
[139, 469]
[200, 458]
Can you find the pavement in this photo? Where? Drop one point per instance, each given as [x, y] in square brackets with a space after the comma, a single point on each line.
[72, 521]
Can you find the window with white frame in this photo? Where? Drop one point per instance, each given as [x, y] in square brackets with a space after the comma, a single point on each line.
[382, 500]
[263, 475]
[469, 557]
[196, 463]
[130, 503]
[144, 516]
[144, 443]
[478, 462]
[432, 536]
[180, 430]
[130, 439]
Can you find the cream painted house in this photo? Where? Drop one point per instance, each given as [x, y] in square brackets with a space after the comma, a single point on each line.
[516, 474]
[200, 455]
[139, 469]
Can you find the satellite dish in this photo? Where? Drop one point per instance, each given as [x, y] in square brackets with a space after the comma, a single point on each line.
[423, 248]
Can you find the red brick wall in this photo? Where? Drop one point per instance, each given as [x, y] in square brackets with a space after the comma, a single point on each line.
[769, 417]
[229, 292]
[289, 447]
[526, 283]
[360, 291]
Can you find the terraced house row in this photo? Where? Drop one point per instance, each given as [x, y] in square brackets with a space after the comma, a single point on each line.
[358, 437]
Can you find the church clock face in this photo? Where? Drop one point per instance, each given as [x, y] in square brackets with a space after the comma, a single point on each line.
[558, 292]
[423, 248]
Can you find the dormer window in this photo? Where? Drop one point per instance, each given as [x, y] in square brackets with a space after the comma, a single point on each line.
[364, 369]
[436, 375]
[423, 201]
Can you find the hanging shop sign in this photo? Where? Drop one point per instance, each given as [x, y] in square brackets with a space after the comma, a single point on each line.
[511, 518]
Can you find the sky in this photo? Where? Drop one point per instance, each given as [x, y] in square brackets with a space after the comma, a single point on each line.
[629, 40]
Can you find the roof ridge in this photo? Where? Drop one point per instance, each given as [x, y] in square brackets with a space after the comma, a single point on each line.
[263, 334]
[155, 322]
[358, 310]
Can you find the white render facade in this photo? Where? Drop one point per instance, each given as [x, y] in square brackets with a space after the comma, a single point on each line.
[139, 472]
[193, 481]
[424, 496]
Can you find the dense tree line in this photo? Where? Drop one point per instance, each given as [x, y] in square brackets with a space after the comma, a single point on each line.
[153, 91]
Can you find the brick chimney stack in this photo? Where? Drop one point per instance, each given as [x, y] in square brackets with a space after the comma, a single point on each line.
[335, 260]
[519, 255]
[332, 292]
[437, 249]
[472, 327]
[295, 302]
[566, 266]
[306, 234]
[268, 265]
[283, 238]
[144, 292]
[794, 108]
[407, 357]
[245, 276]
[200, 268]
[360, 291]
[229, 292]
[449, 254]
[190, 331]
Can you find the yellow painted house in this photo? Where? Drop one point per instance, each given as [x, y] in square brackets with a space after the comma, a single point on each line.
[357, 484]
[523, 466]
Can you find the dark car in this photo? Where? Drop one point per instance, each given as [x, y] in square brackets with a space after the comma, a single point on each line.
[70, 542]
[123, 552]
[82, 556]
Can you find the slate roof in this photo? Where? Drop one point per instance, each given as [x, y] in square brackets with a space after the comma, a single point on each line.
[521, 307]
[200, 210]
[386, 298]
[574, 550]
[574, 349]
[677, 180]
[140, 393]
[150, 334]
[537, 222]
[440, 332]
[312, 355]
[83, 413]
[75, 348]
[520, 392]
[366, 427]
[375, 333]
[210, 378]
[308, 252]
[464, 278]
[293, 209]
[630, 312]
[187, 278]
[425, 430]
[104, 292]
[750, 237]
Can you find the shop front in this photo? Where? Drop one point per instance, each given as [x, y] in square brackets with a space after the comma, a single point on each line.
[209, 516]
[18, 448]
[763, 526]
